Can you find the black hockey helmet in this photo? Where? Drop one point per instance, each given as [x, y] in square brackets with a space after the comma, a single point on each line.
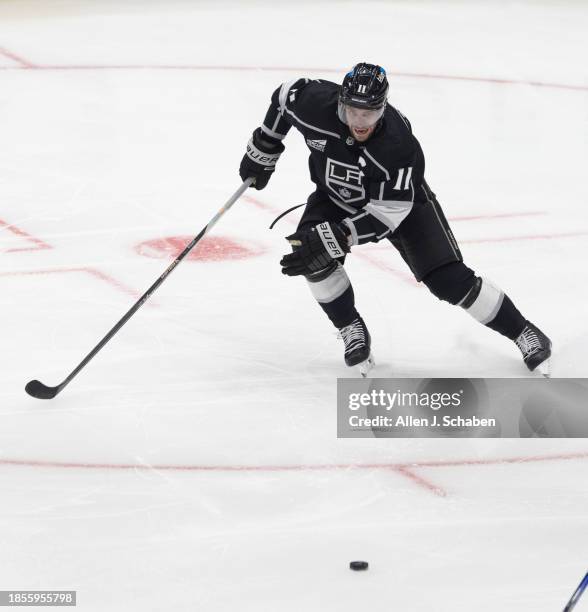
[365, 86]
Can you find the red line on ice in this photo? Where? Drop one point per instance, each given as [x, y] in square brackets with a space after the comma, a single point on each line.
[39, 244]
[87, 270]
[528, 237]
[421, 482]
[403, 276]
[261, 205]
[509, 239]
[301, 70]
[498, 216]
[407, 277]
[505, 460]
[112, 281]
[405, 469]
[16, 58]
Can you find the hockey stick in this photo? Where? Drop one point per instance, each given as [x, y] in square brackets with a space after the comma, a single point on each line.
[577, 594]
[39, 390]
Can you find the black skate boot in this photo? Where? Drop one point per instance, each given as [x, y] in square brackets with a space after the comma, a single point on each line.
[357, 345]
[535, 347]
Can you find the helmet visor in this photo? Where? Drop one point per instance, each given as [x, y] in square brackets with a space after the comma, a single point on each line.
[360, 118]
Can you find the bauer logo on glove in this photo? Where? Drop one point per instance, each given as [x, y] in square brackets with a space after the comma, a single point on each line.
[315, 249]
[259, 161]
[332, 246]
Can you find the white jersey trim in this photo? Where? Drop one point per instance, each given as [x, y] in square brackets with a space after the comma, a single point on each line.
[284, 93]
[312, 127]
[271, 133]
[354, 237]
[377, 163]
[390, 212]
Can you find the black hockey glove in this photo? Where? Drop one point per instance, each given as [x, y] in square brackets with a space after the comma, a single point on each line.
[260, 160]
[315, 249]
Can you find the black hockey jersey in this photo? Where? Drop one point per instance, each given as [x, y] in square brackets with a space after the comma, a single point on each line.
[376, 182]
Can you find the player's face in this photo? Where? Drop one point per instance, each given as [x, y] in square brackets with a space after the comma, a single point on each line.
[362, 121]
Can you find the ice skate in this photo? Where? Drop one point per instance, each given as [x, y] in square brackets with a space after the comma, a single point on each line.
[365, 366]
[357, 346]
[535, 347]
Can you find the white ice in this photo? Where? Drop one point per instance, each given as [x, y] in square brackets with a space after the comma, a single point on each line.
[117, 129]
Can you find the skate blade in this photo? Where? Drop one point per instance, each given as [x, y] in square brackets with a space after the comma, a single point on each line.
[544, 368]
[365, 366]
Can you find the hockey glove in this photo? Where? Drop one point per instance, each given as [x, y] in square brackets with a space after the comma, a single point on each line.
[260, 160]
[315, 249]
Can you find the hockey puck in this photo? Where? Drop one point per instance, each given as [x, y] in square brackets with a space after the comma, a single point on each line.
[358, 565]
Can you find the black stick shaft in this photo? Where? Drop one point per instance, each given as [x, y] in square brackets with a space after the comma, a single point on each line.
[156, 284]
[577, 594]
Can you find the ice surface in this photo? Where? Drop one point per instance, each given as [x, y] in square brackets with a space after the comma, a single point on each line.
[194, 464]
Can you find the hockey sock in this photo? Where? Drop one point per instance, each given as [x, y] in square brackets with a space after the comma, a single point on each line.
[508, 320]
[333, 291]
[493, 308]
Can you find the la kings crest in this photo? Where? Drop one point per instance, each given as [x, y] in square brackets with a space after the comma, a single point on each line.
[344, 180]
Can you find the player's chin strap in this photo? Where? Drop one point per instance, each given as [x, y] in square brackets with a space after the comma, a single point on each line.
[285, 213]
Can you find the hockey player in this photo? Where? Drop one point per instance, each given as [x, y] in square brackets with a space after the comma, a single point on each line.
[368, 169]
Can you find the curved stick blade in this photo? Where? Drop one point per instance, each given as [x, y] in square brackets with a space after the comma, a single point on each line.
[37, 389]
